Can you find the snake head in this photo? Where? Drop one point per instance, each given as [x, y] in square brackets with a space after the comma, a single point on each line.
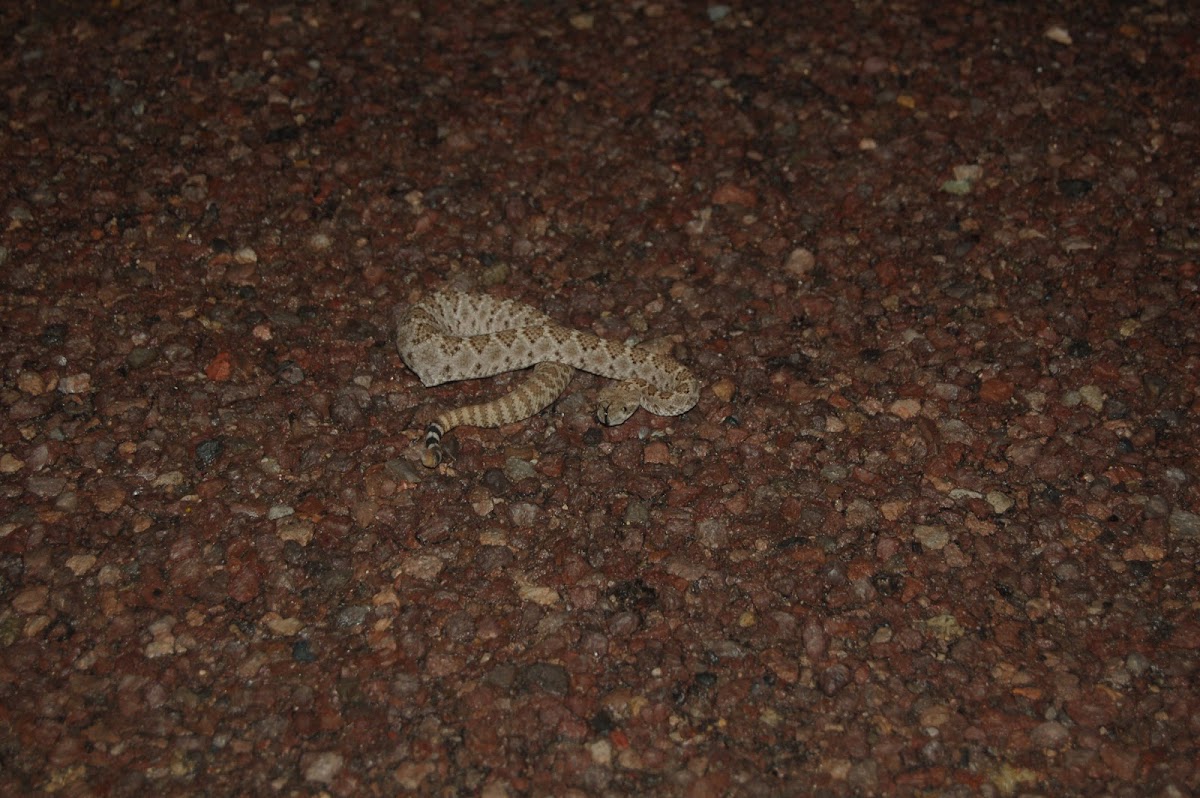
[615, 407]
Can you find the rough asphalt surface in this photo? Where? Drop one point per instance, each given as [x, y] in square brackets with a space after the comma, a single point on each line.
[932, 529]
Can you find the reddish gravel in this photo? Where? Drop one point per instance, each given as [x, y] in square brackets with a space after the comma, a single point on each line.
[933, 528]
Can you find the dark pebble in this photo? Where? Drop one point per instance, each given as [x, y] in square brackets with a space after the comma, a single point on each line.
[503, 677]
[208, 451]
[302, 651]
[1074, 189]
[290, 373]
[351, 617]
[544, 676]
[491, 559]
[495, 481]
[54, 334]
[141, 356]
[602, 722]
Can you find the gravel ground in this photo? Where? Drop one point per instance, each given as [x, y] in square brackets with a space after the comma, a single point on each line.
[932, 529]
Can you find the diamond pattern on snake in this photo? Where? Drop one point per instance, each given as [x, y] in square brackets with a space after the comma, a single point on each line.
[452, 335]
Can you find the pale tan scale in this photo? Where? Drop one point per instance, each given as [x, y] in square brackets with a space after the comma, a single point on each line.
[451, 335]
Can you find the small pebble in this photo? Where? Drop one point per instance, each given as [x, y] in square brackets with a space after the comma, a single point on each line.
[724, 389]
[278, 511]
[1058, 34]
[656, 453]
[208, 451]
[54, 334]
[1050, 734]
[1093, 397]
[833, 679]
[31, 383]
[322, 767]
[31, 600]
[110, 496]
[545, 676]
[905, 408]
[45, 486]
[1184, 525]
[75, 383]
[423, 566]
[282, 626]
[290, 373]
[968, 172]
[524, 514]
[996, 391]
[80, 564]
[295, 530]
[538, 594]
[601, 752]
[932, 538]
[799, 263]
[718, 13]
[999, 502]
[302, 651]
[351, 617]
[583, 21]
[731, 194]
[141, 356]
[517, 469]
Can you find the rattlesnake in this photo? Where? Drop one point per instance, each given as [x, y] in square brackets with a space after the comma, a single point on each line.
[451, 335]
